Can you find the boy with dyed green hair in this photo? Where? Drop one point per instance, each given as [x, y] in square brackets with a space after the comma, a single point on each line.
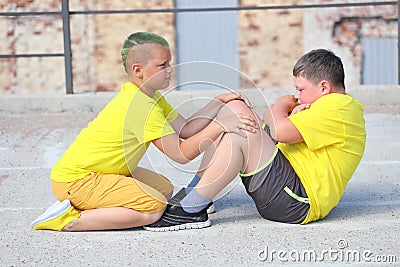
[97, 181]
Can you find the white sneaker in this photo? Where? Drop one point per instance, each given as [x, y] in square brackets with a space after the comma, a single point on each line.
[56, 216]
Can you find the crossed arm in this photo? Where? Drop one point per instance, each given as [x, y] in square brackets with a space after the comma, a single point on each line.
[276, 117]
[203, 126]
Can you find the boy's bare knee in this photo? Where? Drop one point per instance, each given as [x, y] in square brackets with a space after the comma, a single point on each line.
[235, 107]
[238, 105]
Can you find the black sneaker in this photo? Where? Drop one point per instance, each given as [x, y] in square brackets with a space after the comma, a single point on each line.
[175, 218]
[176, 199]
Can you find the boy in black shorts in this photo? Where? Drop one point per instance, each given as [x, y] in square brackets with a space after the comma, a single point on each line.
[297, 168]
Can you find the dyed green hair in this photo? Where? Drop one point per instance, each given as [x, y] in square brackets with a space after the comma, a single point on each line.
[318, 65]
[137, 39]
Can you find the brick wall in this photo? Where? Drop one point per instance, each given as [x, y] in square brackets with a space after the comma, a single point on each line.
[270, 41]
[106, 71]
[31, 35]
[343, 29]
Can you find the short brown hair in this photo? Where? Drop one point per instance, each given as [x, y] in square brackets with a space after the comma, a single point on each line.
[318, 65]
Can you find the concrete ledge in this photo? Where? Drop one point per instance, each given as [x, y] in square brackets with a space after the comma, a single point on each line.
[53, 103]
[183, 100]
[377, 95]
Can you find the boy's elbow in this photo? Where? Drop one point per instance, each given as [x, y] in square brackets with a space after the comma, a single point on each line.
[276, 136]
[280, 134]
[280, 138]
[283, 131]
[284, 136]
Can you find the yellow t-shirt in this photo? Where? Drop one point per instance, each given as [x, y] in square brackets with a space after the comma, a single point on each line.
[333, 129]
[116, 140]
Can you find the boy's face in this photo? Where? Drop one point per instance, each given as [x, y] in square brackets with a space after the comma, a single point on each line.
[157, 71]
[307, 92]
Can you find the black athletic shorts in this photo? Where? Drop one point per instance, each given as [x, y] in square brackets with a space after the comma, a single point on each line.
[277, 191]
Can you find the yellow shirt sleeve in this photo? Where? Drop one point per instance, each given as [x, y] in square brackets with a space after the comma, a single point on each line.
[149, 118]
[169, 112]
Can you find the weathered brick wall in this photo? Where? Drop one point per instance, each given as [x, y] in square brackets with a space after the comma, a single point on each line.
[95, 42]
[36, 34]
[105, 73]
[342, 29]
[270, 41]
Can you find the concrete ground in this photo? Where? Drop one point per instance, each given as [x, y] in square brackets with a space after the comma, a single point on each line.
[362, 230]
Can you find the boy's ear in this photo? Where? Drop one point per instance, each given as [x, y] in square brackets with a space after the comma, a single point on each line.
[325, 87]
[137, 70]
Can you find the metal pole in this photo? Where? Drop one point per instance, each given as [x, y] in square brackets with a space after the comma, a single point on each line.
[67, 46]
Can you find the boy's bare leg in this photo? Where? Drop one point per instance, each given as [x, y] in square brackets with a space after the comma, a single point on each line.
[111, 218]
[120, 217]
[209, 154]
[234, 154]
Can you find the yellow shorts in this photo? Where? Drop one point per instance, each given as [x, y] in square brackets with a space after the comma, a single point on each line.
[148, 192]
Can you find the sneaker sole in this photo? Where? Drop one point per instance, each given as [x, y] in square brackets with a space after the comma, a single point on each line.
[197, 225]
[52, 212]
